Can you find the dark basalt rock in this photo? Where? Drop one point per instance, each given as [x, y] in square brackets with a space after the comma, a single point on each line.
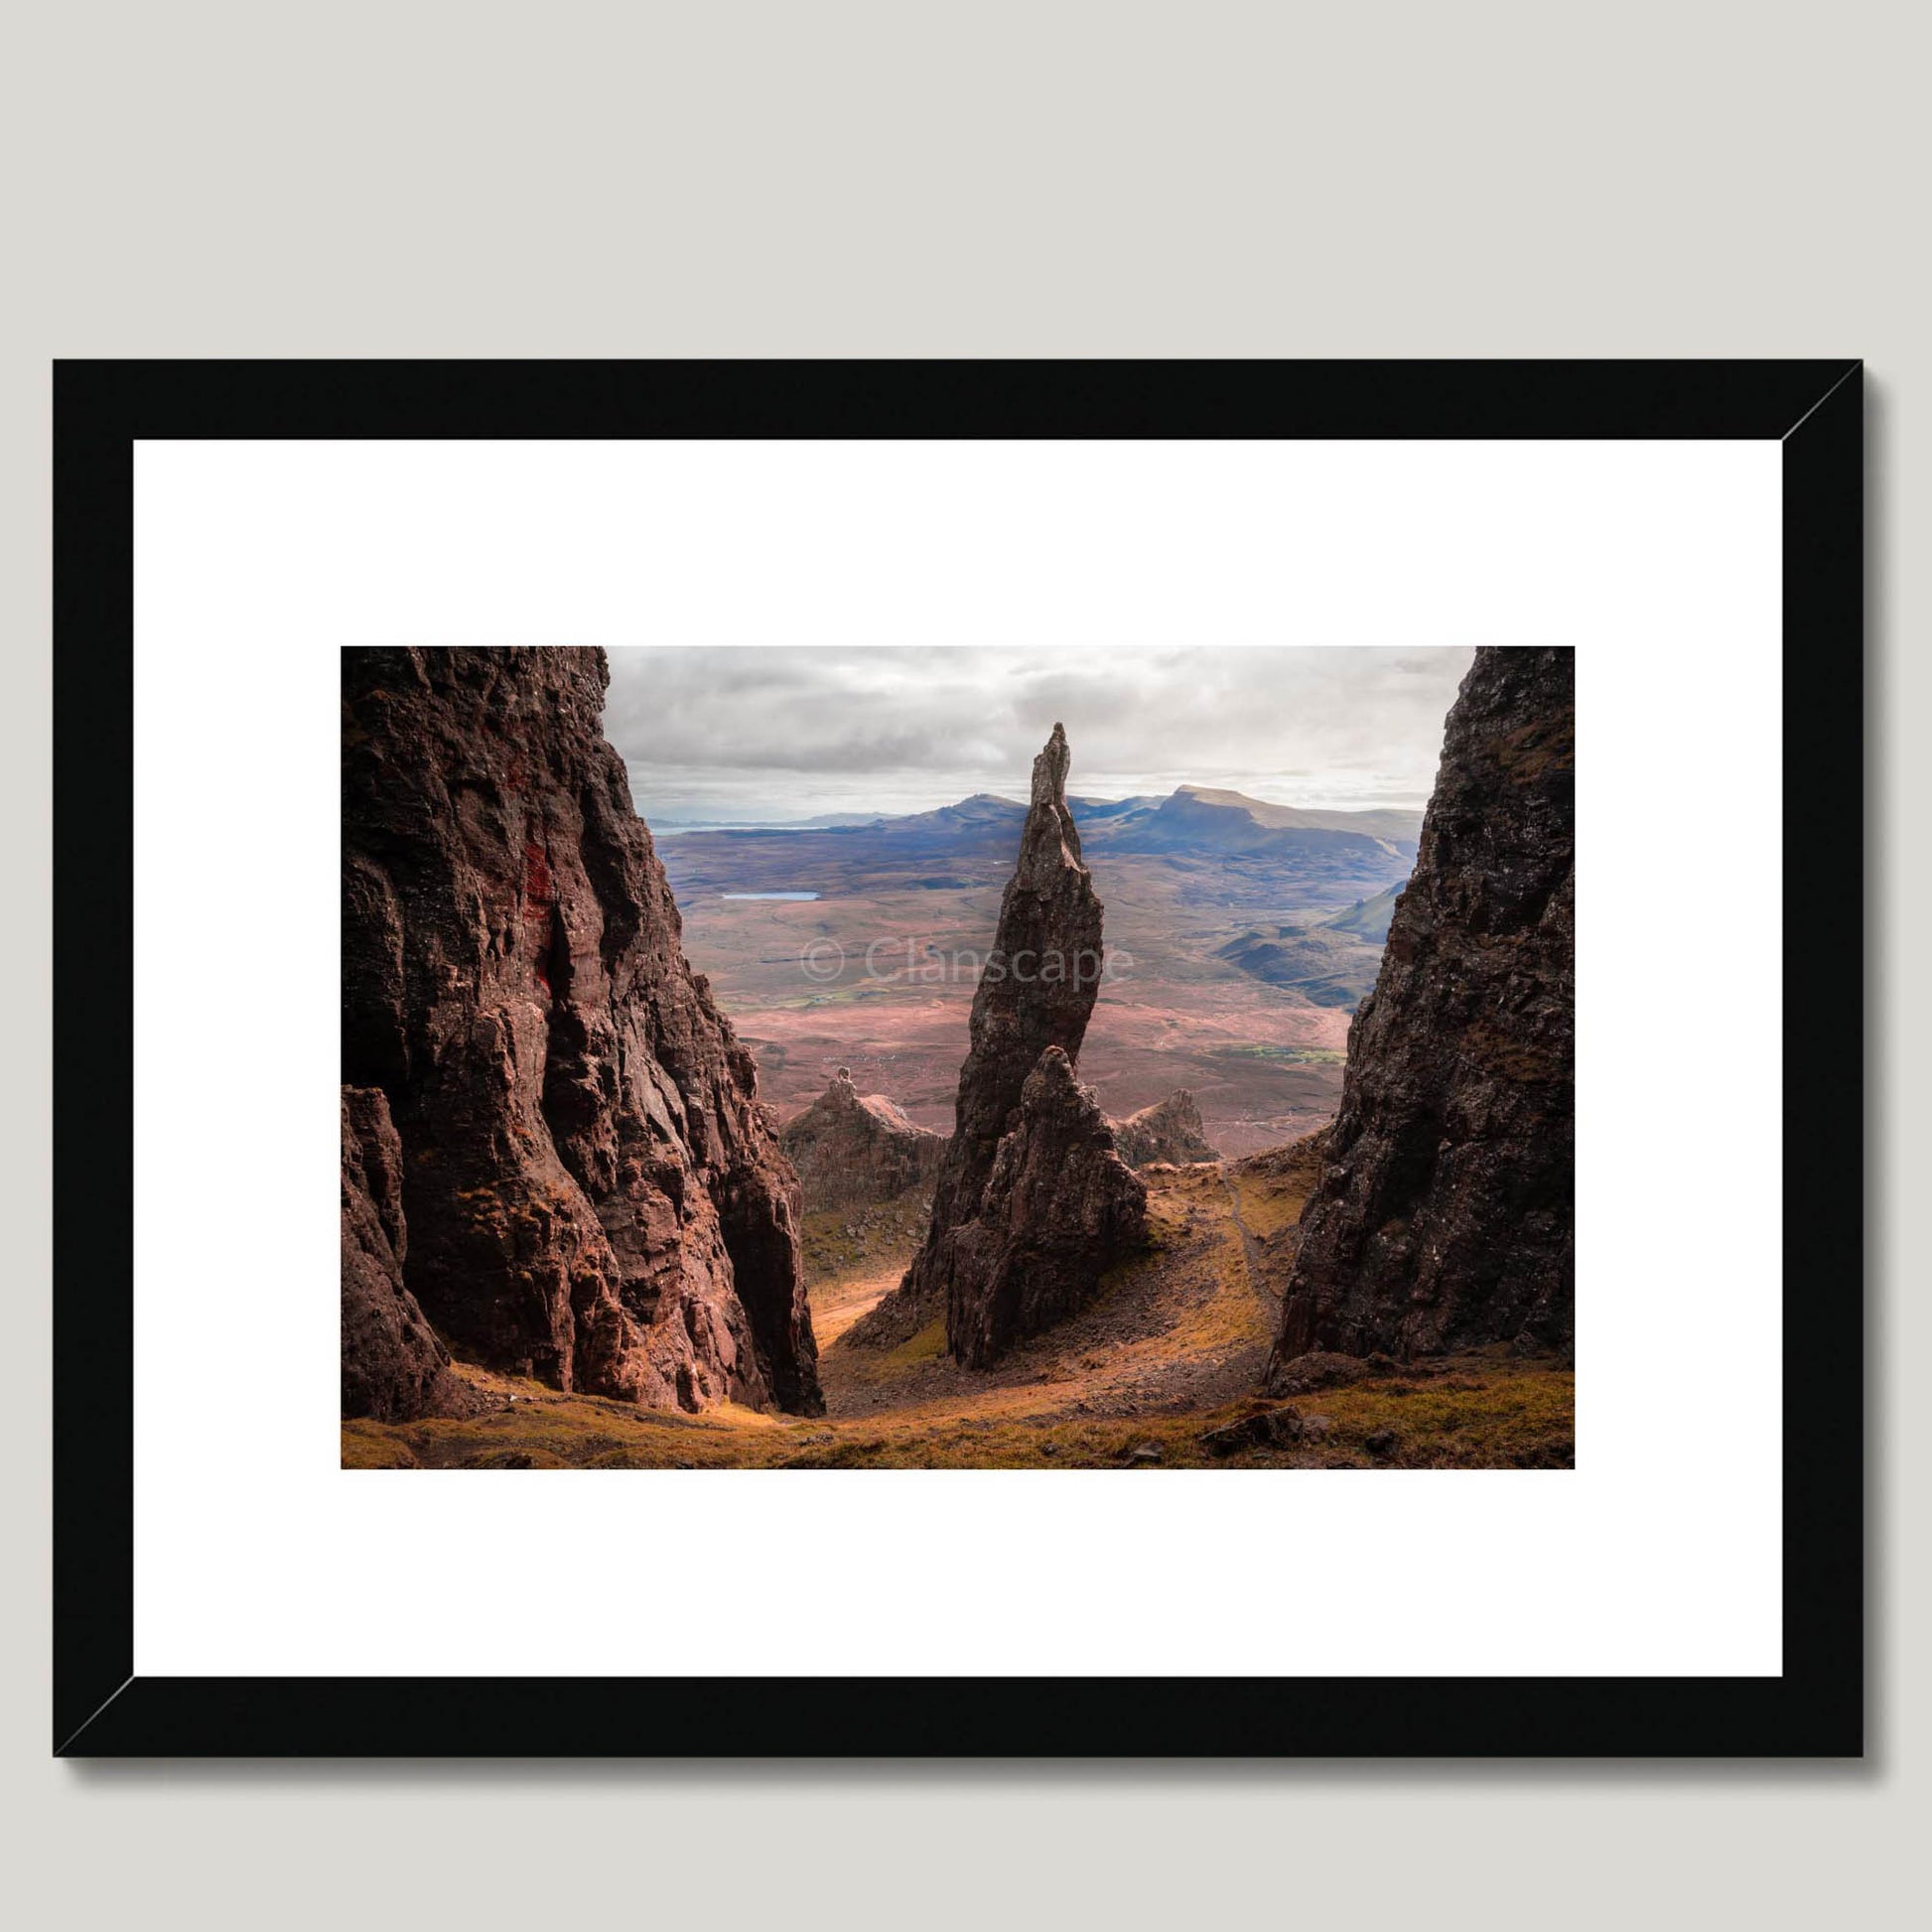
[1445, 1213]
[394, 1368]
[1060, 1207]
[852, 1149]
[1029, 1013]
[594, 1195]
[1171, 1129]
[1266, 1429]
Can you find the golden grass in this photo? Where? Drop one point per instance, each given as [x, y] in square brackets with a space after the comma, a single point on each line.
[838, 1243]
[1172, 1348]
[1264, 1209]
[1272, 1188]
[1514, 1416]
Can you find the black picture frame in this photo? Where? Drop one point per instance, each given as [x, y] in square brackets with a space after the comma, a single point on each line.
[1814, 409]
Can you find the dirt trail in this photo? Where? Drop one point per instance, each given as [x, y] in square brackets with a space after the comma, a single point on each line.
[1182, 1327]
[837, 1304]
[1250, 1246]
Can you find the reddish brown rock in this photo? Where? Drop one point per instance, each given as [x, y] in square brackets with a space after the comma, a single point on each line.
[852, 1149]
[394, 1368]
[1171, 1129]
[1444, 1212]
[594, 1195]
[1060, 1207]
[1034, 999]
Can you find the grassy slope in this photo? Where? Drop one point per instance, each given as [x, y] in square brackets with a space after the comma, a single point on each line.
[1174, 1345]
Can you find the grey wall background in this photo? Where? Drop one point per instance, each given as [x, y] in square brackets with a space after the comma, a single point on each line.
[1051, 180]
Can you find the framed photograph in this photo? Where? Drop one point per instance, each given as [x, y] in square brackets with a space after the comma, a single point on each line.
[999, 1060]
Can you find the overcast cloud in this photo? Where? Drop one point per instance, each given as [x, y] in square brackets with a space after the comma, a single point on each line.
[789, 732]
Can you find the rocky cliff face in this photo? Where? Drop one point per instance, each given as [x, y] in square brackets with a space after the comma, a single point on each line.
[1033, 999]
[593, 1194]
[1444, 1211]
[394, 1369]
[1060, 1207]
[1169, 1130]
[851, 1150]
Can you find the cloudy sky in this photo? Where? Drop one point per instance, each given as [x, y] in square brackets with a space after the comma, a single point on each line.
[777, 734]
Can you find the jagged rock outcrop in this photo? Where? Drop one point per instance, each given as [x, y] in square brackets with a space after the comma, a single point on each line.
[1060, 1207]
[851, 1150]
[594, 1195]
[1033, 1002]
[1444, 1212]
[394, 1368]
[1169, 1130]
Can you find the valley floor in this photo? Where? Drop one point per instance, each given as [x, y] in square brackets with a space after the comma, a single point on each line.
[1172, 1350]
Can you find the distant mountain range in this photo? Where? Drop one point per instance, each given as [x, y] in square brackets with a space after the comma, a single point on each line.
[675, 824]
[1332, 962]
[1229, 849]
[993, 806]
[1198, 820]
[1195, 800]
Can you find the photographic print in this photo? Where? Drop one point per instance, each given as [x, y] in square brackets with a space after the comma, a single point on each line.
[940, 918]
[808, 1057]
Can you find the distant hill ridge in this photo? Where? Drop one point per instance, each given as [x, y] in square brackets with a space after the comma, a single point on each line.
[1332, 961]
[1376, 824]
[1219, 839]
[1186, 812]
